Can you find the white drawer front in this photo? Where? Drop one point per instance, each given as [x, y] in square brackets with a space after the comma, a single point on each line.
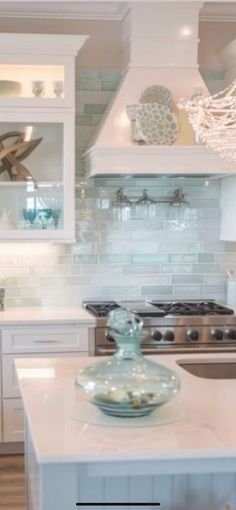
[10, 388]
[13, 420]
[54, 339]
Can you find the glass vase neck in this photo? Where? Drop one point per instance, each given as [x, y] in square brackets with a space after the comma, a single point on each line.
[128, 346]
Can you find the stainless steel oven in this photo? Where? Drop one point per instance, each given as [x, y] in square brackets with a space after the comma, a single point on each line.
[171, 327]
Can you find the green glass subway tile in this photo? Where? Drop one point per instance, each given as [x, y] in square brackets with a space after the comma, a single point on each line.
[87, 72]
[65, 259]
[115, 248]
[77, 280]
[215, 279]
[110, 74]
[160, 290]
[212, 289]
[207, 268]
[102, 269]
[206, 257]
[115, 259]
[85, 259]
[175, 258]
[123, 292]
[94, 109]
[187, 279]
[109, 85]
[85, 248]
[190, 291]
[148, 248]
[204, 202]
[190, 258]
[141, 269]
[152, 183]
[176, 268]
[84, 120]
[87, 84]
[146, 259]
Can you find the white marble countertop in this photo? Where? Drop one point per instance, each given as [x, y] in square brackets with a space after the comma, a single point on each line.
[61, 422]
[36, 315]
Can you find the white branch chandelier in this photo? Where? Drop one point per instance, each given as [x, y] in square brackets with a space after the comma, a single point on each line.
[213, 118]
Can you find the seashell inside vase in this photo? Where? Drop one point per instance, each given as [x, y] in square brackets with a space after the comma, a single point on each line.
[153, 124]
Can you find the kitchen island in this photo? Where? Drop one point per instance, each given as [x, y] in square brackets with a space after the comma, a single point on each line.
[185, 459]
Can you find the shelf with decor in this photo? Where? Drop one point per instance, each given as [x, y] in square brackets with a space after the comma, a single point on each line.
[37, 146]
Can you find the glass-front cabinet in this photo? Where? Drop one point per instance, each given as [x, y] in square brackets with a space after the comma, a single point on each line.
[37, 146]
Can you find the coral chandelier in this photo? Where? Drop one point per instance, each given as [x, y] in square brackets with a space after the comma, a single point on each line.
[213, 118]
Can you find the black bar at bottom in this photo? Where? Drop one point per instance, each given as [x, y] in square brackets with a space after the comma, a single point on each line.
[118, 504]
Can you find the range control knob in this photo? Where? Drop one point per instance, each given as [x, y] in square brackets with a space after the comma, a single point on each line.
[109, 338]
[169, 335]
[231, 334]
[217, 334]
[157, 335]
[193, 335]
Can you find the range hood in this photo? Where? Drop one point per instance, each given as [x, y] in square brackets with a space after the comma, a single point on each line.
[159, 47]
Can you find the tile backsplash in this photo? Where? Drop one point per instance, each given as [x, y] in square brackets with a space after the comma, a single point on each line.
[156, 251]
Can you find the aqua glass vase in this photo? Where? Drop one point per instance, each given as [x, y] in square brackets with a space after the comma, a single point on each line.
[127, 384]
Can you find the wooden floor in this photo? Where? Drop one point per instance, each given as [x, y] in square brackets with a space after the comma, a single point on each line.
[12, 483]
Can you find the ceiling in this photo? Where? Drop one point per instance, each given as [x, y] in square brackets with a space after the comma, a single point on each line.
[108, 10]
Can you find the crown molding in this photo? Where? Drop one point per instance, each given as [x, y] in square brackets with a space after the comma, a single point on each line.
[97, 10]
[111, 11]
[218, 12]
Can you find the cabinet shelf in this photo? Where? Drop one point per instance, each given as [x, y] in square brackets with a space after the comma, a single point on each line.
[40, 184]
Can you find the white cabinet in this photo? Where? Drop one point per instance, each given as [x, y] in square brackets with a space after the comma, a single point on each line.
[37, 146]
[45, 339]
[33, 341]
[13, 420]
[228, 209]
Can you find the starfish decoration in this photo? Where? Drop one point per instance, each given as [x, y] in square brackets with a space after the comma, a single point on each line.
[12, 155]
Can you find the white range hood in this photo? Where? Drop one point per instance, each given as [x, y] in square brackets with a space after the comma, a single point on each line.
[159, 47]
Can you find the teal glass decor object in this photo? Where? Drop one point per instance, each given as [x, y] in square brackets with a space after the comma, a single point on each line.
[127, 384]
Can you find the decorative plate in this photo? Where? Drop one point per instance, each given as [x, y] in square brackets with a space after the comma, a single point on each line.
[157, 94]
[157, 124]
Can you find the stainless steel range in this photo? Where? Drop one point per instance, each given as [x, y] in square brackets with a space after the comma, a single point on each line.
[171, 326]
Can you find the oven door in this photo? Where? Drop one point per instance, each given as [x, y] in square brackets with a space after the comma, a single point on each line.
[105, 344]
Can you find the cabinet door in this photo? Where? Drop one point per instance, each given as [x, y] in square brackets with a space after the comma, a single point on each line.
[13, 420]
[10, 387]
[38, 203]
[44, 339]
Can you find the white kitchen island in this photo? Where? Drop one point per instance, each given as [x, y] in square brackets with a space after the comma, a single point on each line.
[74, 455]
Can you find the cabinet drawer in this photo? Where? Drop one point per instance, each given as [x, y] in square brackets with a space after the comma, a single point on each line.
[10, 388]
[13, 420]
[58, 339]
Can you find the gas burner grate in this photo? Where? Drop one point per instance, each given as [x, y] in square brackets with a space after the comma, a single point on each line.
[101, 309]
[192, 308]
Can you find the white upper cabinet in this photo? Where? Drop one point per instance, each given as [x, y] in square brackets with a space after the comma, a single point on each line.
[37, 141]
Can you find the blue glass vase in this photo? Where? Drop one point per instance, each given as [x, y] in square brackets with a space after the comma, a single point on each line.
[127, 384]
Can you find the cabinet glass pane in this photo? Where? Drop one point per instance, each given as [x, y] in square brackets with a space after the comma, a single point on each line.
[26, 207]
[31, 200]
[45, 81]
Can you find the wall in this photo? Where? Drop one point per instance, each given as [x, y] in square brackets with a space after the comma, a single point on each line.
[160, 251]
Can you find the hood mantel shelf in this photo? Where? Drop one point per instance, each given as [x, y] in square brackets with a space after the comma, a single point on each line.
[159, 46]
[155, 160]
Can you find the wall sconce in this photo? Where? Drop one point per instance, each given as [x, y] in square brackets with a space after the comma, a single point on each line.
[177, 198]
